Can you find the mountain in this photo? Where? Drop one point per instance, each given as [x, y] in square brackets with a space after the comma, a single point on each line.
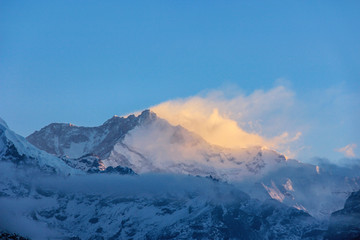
[20, 161]
[17, 150]
[149, 144]
[103, 206]
[345, 223]
[146, 143]
[169, 183]
[46, 204]
[318, 190]
[69, 140]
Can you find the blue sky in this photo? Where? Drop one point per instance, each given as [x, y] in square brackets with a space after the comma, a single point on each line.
[84, 61]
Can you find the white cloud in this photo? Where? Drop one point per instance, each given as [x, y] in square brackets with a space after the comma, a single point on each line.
[348, 150]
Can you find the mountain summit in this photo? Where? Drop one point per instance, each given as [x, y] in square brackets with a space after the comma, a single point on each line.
[147, 143]
[250, 193]
[69, 140]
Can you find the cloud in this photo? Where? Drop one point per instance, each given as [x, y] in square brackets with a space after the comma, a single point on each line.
[258, 119]
[20, 212]
[14, 220]
[348, 150]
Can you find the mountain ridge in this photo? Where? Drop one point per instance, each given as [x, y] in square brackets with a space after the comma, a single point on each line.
[118, 142]
[14, 148]
[277, 199]
[102, 137]
[152, 145]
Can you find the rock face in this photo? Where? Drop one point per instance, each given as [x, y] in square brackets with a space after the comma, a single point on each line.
[345, 223]
[68, 140]
[6, 236]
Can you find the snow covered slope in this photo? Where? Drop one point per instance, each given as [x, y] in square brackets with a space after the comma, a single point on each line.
[157, 146]
[16, 150]
[149, 144]
[319, 190]
[252, 193]
[148, 207]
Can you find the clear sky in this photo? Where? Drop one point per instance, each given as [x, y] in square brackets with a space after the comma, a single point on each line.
[84, 61]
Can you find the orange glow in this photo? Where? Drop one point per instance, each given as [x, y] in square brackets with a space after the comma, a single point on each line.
[203, 117]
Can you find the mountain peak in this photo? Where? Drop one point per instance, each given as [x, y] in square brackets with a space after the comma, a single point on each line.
[66, 139]
[15, 149]
[147, 116]
[144, 117]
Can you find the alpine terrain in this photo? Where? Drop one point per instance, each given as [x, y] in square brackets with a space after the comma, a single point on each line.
[139, 177]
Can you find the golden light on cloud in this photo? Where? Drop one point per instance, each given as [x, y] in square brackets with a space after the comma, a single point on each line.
[213, 127]
[212, 117]
[348, 150]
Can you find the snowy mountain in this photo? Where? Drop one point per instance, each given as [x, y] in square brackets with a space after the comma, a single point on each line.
[17, 150]
[345, 223]
[318, 190]
[149, 144]
[44, 204]
[138, 177]
[69, 140]
[104, 206]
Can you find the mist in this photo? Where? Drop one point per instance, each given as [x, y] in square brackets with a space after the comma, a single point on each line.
[43, 192]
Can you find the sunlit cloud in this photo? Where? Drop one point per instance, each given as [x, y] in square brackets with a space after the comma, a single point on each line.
[348, 150]
[235, 122]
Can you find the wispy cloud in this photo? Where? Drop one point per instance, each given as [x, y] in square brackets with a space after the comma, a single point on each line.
[348, 150]
[302, 126]
[241, 121]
